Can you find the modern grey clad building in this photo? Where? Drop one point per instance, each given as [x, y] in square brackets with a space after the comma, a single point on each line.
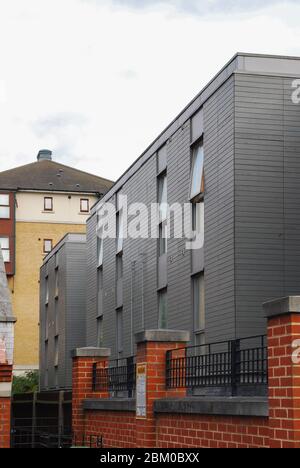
[62, 310]
[246, 200]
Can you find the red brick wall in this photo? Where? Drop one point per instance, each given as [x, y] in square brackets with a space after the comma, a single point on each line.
[284, 382]
[184, 431]
[118, 429]
[5, 422]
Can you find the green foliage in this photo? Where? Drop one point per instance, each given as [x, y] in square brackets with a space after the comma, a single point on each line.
[27, 383]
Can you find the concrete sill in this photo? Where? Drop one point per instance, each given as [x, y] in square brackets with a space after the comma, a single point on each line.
[110, 404]
[222, 406]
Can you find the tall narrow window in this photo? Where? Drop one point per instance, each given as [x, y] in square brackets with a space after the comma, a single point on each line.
[163, 213]
[197, 172]
[100, 291]
[162, 309]
[48, 204]
[46, 324]
[4, 206]
[46, 290]
[199, 308]
[120, 231]
[84, 205]
[48, 244]
[56, 354]
[56, 313]
[56, 282]
[119, 267]
[4, 244]
[100, 249]
[100, 332]
[119, 331]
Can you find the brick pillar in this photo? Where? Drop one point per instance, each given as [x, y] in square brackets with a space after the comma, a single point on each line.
[5, 404]
[284, 371]
[151, 351]
[82, 384]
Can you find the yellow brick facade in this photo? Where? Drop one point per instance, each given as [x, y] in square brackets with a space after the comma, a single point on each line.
[25, 285]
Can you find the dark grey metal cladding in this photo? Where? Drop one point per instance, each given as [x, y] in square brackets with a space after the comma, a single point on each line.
[70, 306]
[267, 196]
[251, 252]
[219, 213]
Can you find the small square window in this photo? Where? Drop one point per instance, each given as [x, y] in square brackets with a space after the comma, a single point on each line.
[48, 245]
[48, 204]
[84, 205]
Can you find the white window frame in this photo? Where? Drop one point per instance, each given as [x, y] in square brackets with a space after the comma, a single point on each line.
[5, 206]
[5, 250]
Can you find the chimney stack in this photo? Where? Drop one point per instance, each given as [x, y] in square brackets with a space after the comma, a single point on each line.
[44, 155]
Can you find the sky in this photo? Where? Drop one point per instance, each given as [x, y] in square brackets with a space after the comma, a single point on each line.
[96, 81]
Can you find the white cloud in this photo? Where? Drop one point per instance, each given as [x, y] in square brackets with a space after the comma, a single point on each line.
[97, 83]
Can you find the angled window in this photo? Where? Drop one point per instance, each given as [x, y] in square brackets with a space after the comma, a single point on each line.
[162, 309]
[56, 355]
[46, 290]
[197, 171]
[84, 205]
[56, 282]
[48, 245]
[119, 331]
[48, 204]
[100, 332]
[100, 250]
[120, 234]
[163, 213]
[4, 244]
[4, 206]
[199, 307]
[100, 291]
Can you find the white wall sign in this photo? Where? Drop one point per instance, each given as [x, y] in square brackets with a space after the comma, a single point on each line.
[141, 388]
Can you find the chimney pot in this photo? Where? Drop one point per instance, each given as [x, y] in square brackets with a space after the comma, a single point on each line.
[44, 155]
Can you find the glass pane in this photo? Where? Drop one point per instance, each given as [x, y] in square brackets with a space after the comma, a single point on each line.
[120, 231]
[163, 236]
[100, 332]
[100, 250]
[4, 212]
[47, 246]
[119, 331]
[163, 312]
[4, 200]
[84, 206]
[48, 204]
[119, 267]
[6, 256]
[4, 242]
[163, 197]
[199, 302]
[197, 171]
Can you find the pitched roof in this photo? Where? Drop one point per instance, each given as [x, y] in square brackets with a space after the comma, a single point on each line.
[49, 175]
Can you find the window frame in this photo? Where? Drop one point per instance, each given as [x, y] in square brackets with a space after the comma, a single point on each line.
[88, 205]
[48, 210]
[119, 331]
[7, 206]
[6, 249]
[163, 293]
[46, 252]
[197, 195]
[199, 316]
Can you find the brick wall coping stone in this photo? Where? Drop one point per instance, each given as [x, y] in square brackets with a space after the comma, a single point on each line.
[230, 406]
[110, 404]
[90, 352]
[166, 336]
[282, 306]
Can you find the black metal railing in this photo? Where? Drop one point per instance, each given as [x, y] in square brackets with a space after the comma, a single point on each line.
[118, 377]
[228, 364]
